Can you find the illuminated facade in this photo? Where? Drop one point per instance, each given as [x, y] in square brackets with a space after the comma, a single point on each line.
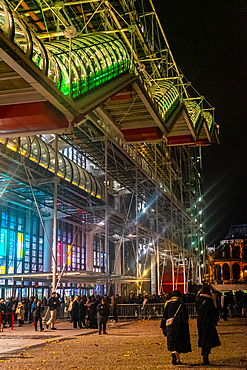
[228, 265]
[100, 144]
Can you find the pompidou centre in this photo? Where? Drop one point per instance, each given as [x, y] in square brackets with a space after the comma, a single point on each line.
[100, 152]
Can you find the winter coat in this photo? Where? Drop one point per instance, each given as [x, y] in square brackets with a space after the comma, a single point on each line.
[178, 336]
[53, 303]
[102, 310]
[20, 311]
[74, 311]
[37, 310]
[206, 319]
[82, 310]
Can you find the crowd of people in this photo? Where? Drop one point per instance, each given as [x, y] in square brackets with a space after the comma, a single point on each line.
[91, 311]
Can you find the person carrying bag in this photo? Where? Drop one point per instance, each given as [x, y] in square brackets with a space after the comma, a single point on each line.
[175, 327]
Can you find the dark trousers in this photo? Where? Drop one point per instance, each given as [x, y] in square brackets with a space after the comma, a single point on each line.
[102, 322]
[36, 322]
[75, 323]
[114, 312]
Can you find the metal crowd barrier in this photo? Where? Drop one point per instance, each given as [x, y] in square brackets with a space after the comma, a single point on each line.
[149, 310]
[152, 310]
[238, 309]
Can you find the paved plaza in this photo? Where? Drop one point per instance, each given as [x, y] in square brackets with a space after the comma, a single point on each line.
[128, 345]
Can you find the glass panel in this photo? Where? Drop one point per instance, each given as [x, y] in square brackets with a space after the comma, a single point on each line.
[82, 183]
[93, 186]
[76, 177]
[39, 56]
[88, 182]
[44, 154]
[12, 144]
[194, 111]
[22, 37]
[61, 165]
[98, 189]
[52, 159]
[35, 150]
[209, 120]
[25, 146]
[6, 20]
[68, 173]
[167, 98]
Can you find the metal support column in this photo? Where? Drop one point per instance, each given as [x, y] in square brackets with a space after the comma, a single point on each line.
[106, 216]
[137, 231]
[54, 249]
[157, 225]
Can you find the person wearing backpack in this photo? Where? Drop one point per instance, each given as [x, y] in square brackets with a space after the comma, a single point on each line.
[175, 327]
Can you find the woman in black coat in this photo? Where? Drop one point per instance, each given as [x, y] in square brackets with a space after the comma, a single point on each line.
[178, 336]
[82, 312]
[74, 312]
[206, 319]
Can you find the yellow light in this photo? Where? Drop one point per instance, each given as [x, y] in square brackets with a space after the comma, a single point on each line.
[145, 272]
[12, 147]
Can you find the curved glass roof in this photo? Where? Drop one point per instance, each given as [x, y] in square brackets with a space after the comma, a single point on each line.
[36, 150]
[166, 96]
[194, 111]
[95, 58]
[209, 120]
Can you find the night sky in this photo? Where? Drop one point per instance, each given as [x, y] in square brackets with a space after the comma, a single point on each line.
[208, 40]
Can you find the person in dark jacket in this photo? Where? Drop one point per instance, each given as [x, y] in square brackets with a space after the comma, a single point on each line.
[9, 311]
[53, 304]
[206, 319]
[37, 313]
[2, 312]
[74, 312]
[82, 312]
[178, 336]
[102, 315]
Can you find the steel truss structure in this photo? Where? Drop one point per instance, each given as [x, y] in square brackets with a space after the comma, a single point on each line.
[121, 153]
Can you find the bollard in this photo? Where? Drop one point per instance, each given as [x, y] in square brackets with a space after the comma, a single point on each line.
[33, 321]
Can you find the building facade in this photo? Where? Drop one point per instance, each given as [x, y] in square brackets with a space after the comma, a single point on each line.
[228, 264]
[100, 151]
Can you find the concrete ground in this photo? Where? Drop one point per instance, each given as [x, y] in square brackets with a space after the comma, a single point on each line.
[128, 345]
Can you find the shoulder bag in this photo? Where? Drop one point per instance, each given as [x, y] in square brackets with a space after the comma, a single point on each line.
[170, 321]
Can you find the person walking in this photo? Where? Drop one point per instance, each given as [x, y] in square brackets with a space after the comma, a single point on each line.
[53, 304]
[102, 315]
[206, 320]
[37, 313]
[175, 327]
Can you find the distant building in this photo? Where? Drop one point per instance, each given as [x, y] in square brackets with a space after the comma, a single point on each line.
[228, 264]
